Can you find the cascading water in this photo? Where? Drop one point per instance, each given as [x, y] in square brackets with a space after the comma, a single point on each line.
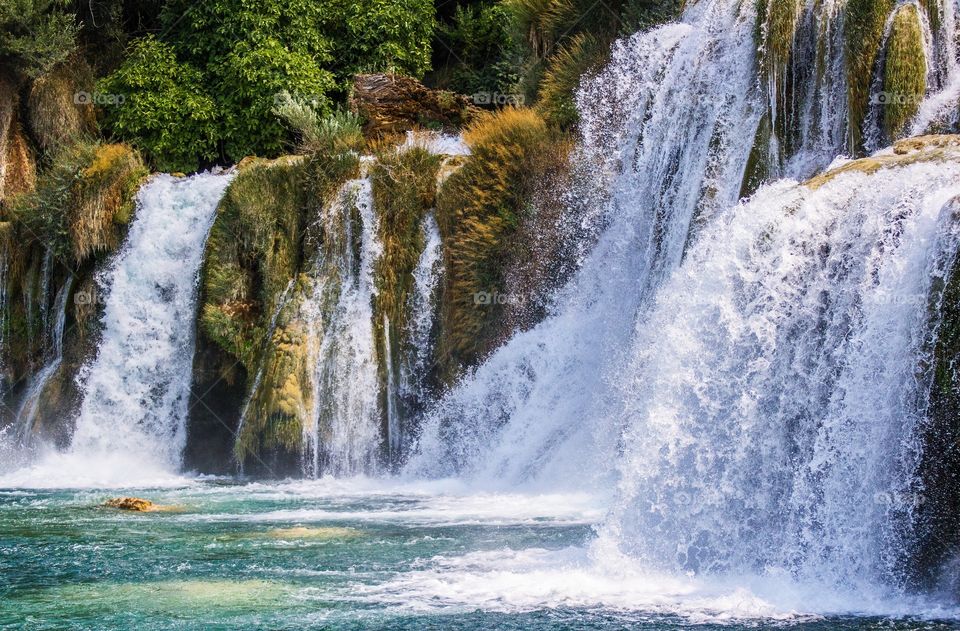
[939, 108]
[30, 405]
[774, 394]
[663, 128]
[423, 313]
[135, 393]
[345, 437]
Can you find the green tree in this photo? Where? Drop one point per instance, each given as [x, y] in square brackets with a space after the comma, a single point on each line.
[35, 35]
[160, 104]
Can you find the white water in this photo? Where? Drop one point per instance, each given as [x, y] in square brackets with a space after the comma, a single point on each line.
[345, 437]
[423, 313]
[29, 406]
[664, 126]
[136, 390]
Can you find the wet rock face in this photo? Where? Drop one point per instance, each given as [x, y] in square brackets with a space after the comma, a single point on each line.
[938, 518]
[392, 104]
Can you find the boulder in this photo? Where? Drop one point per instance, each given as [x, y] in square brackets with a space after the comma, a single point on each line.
[135, 504]
[391, 104]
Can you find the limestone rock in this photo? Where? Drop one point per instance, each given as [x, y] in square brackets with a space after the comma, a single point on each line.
[18, 173]
[135, 504]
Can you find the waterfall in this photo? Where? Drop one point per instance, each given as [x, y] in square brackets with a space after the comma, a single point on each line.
[29, 407]
[939, 108]
[393, 420]
[423, 313]
[135, 392]
[664, 129]
[345, 436]
[774, 392]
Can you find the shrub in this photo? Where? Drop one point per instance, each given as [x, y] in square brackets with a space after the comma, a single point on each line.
[579, 56]
[479, 207]
[161, 106]
[338, 132]
[35, 35]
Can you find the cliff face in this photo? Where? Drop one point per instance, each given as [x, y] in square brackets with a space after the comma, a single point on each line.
[938, 518]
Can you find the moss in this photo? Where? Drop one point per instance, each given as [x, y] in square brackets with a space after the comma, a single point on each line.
[479, 207]
[778, 26]
[82, 201]
[905, 152]
[252, 253]
[864, 22]
[404, 189]
[282, 404]
[256, 249]
[56, 119]
[904, 71]
[103, 199]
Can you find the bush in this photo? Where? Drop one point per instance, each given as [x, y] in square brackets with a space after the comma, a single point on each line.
[35, 35]
[160, 105]
[577, 57]
[479, 208]
[338, 132]
[487, 54]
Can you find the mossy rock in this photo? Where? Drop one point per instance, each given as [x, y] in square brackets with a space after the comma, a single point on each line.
[103, 199]
[904, 152]
[904, 71]
[864, 22]
[57, 117]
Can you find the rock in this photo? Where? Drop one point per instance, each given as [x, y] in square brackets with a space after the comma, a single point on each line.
[392, 104]
[135, 504]
[59, 106]
[304, 532]
[18, 172]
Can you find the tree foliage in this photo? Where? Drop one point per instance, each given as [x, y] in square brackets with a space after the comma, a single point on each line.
[35, 35]
[161, 105]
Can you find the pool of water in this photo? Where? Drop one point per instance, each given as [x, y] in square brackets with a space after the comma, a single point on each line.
[370, 554]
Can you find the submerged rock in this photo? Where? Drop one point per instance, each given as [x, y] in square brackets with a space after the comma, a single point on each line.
[305, 532]
[135, 504]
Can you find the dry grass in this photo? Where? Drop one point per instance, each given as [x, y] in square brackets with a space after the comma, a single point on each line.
[479, 209]
[103, 200]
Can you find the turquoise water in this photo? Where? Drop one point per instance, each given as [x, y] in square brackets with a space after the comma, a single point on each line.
[360, 554]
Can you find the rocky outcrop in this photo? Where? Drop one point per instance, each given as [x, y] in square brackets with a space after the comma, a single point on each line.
[18, 172]
[60, 106]
[392, 104]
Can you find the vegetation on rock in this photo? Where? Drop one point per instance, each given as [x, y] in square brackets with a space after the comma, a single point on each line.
[479, 207]
[864, 23]
[904, 71]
